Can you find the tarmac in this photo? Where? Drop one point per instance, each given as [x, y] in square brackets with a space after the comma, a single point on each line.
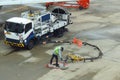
[98, 25]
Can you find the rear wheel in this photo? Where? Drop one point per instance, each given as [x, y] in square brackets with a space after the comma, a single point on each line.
[30, 45]
[59, 32]
[80, 8]
[1, 7]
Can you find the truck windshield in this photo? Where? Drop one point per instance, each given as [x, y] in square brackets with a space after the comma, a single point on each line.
[14, 27]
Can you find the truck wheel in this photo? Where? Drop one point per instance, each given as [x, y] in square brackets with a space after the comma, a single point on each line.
[59, 33]
[30, 45]
[81, 8]
[1, 7]
[62, 30]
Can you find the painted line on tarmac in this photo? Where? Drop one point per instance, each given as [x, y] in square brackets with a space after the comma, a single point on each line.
[25, 54]
[30, 60]
[15, 9]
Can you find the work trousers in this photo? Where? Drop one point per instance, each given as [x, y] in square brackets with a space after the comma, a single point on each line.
[56, 57]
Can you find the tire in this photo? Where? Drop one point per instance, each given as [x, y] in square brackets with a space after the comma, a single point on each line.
[1, 7]
[66, 30]
[81, 8]
[61, 32]
[30, 45]
[55, 33]
[58, 33]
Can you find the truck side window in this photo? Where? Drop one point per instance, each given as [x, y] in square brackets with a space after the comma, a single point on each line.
[28, 27]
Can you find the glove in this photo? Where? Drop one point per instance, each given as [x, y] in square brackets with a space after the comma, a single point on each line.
[61, 59]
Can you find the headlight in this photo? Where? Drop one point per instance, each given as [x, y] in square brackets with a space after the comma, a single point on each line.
[21, 38]
[25, 41]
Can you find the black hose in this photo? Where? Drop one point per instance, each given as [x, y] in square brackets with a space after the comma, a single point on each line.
[94, 46]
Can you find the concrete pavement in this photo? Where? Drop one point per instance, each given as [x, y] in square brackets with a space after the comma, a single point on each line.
[98, 25]
[4, 49]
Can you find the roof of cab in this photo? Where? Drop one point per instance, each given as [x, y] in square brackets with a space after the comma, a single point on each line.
[19, 20]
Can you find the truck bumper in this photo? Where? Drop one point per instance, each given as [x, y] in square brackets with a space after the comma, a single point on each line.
[14, 44]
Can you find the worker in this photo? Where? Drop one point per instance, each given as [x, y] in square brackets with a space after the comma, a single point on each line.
[57, 52]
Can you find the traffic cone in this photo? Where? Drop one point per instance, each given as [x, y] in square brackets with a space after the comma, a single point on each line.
[77, 41]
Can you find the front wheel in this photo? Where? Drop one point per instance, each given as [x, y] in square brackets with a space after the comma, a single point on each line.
[30, 45]
[58, 33]
[1, 7]
[81, 8]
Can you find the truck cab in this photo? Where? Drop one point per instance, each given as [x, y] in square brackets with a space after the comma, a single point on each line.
[17, 30]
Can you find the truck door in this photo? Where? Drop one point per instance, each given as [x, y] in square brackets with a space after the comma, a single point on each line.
[28, 32]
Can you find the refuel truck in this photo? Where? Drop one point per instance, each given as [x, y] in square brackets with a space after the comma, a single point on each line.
[35, 26]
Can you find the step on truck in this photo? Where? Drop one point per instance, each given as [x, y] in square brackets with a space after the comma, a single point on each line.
[35, 26]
